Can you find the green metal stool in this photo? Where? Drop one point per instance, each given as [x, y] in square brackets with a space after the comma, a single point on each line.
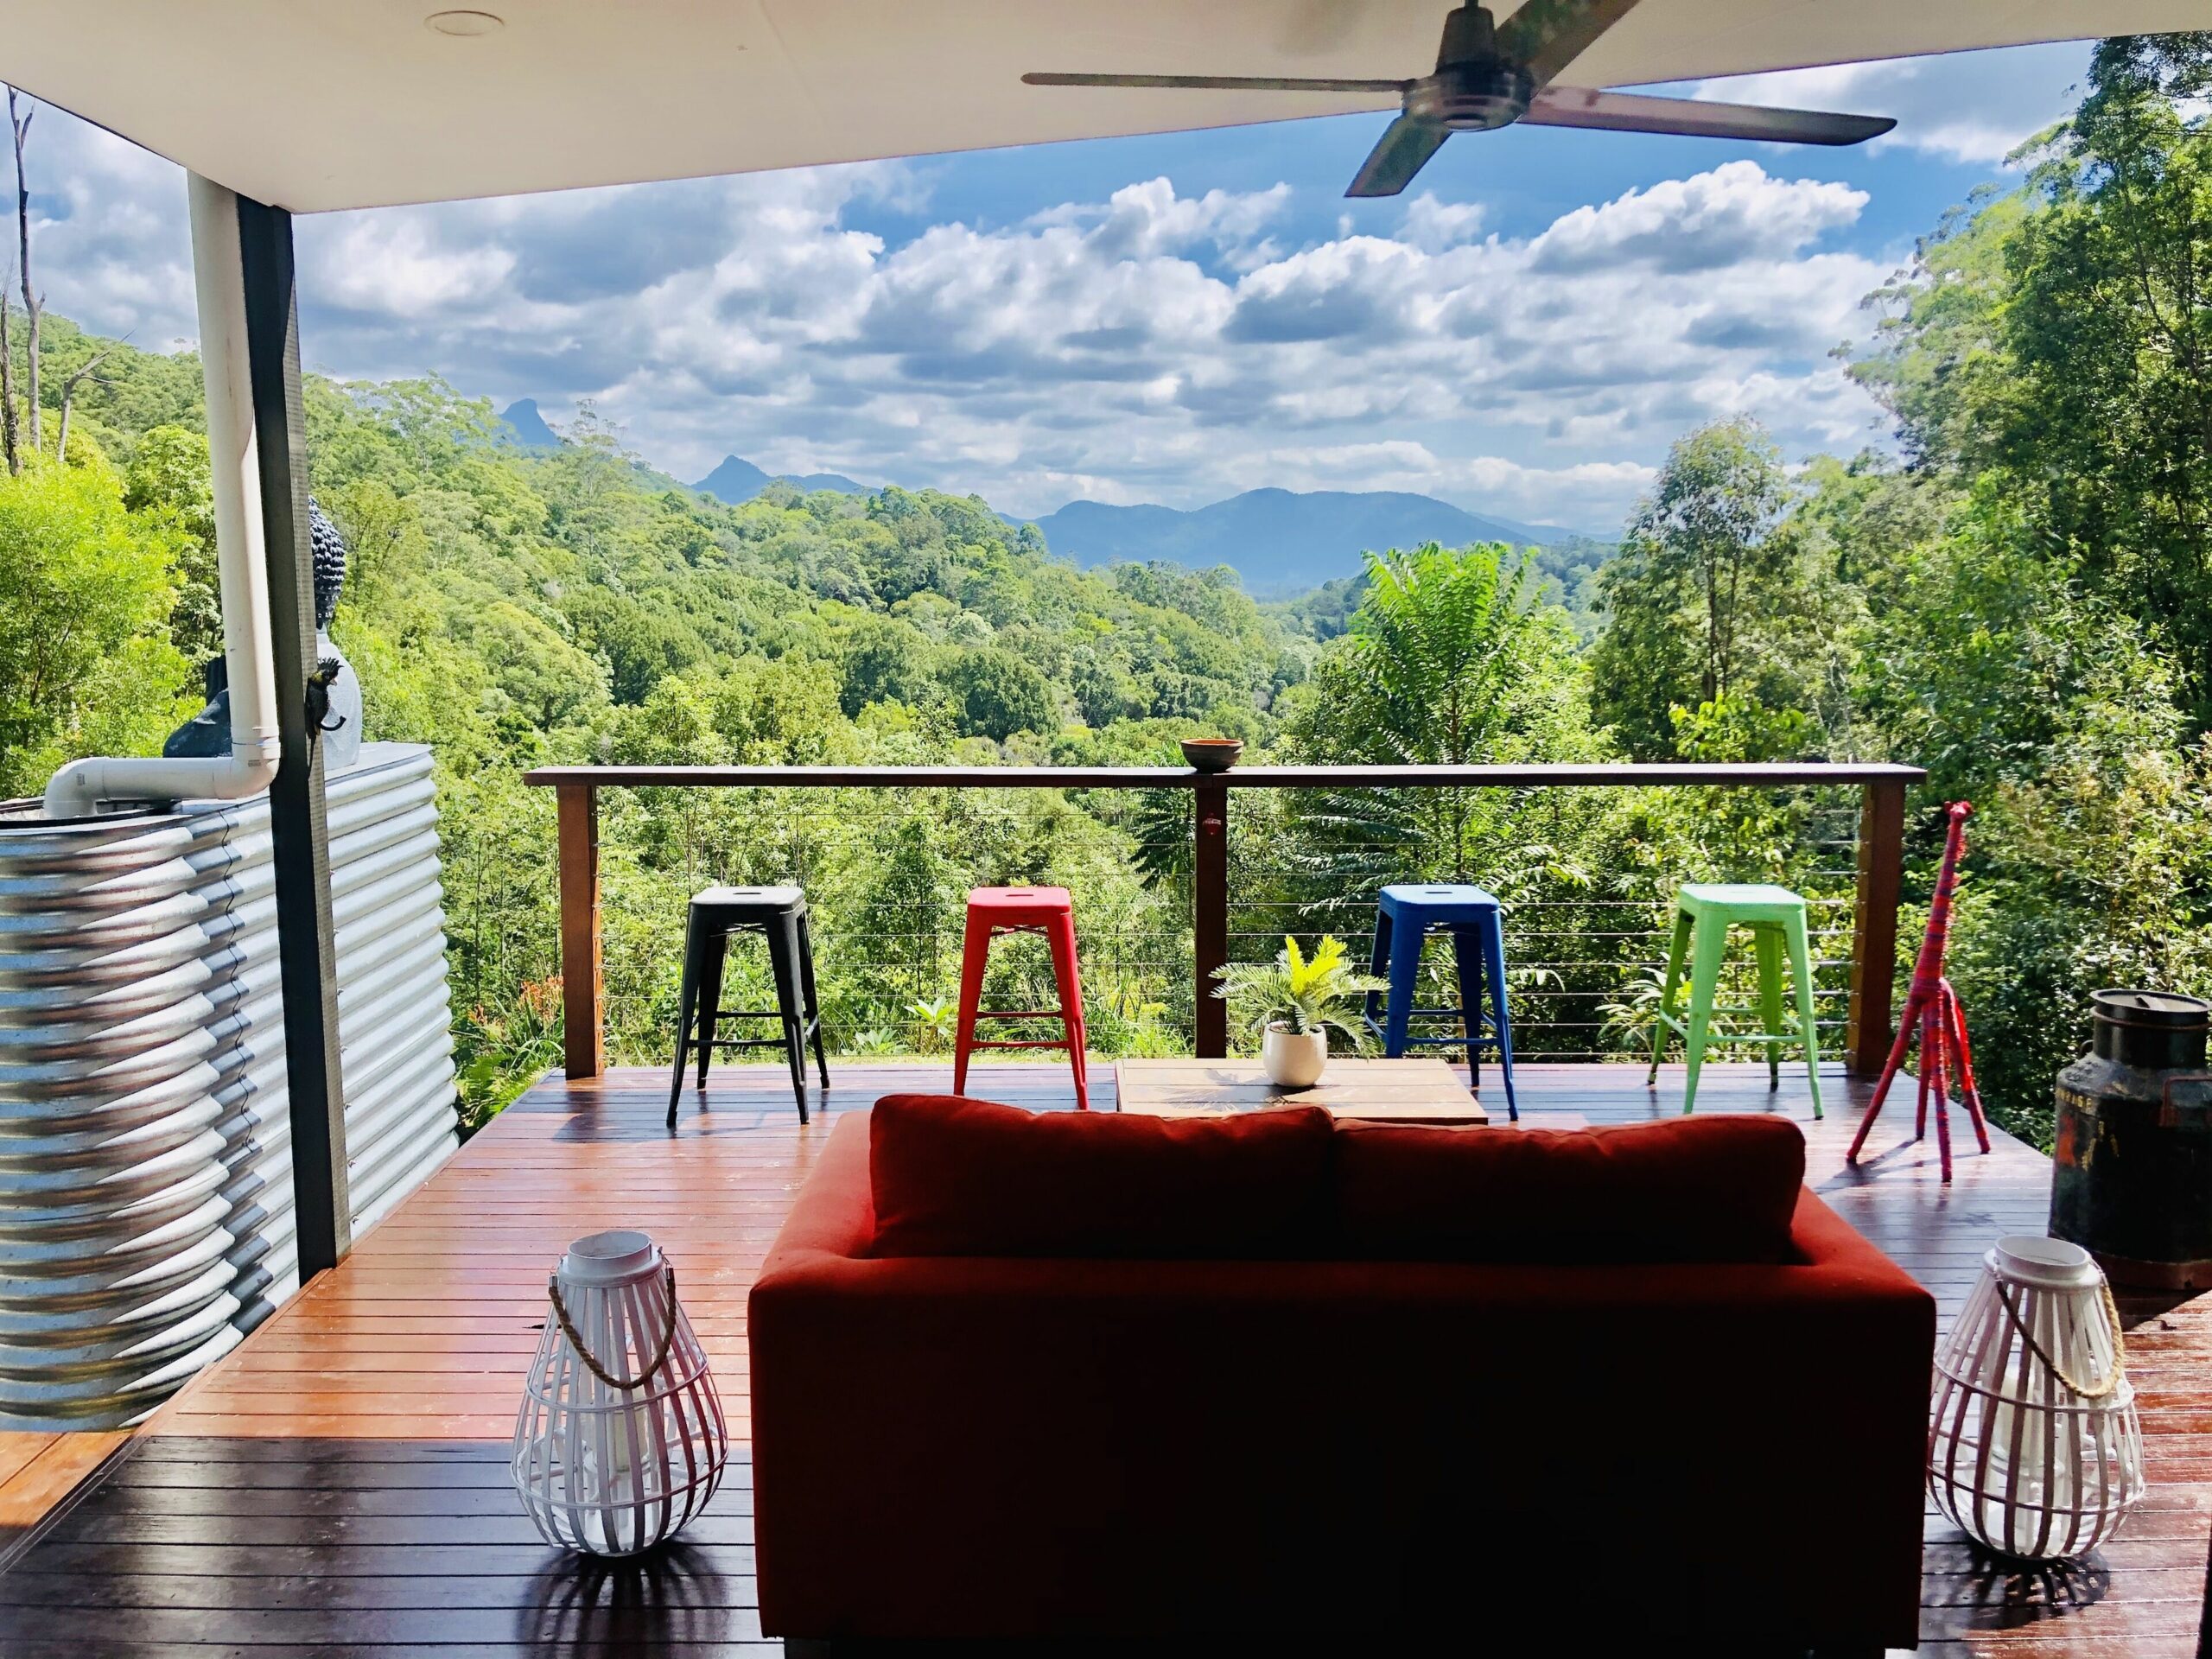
[1776, 917]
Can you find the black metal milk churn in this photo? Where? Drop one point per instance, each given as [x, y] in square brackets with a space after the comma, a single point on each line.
[2132, 1176]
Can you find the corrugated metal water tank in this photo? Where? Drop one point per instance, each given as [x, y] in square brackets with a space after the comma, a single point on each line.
[145, 1156]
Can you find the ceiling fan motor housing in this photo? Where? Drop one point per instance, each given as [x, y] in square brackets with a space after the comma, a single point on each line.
[1472, 98]
[1474, 88]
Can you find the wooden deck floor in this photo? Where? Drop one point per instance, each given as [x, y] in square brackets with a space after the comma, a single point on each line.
[339, 1483]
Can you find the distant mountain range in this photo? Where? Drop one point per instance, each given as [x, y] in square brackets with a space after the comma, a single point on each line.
[738, 480]
[1277, 541]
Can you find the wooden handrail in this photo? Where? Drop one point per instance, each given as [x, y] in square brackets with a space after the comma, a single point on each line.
[1874, 933]
[1749, 775]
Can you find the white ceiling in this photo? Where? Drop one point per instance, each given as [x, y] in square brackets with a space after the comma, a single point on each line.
[323, 104]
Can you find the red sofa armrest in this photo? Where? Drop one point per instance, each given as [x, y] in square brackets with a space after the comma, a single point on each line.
[833, 1214]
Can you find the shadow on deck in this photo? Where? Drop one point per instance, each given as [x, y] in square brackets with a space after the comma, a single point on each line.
[339, 1481]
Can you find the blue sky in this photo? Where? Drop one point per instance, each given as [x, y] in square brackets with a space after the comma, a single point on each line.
[1170, 319]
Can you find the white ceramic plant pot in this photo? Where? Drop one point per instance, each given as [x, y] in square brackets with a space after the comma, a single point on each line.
[1293, 1060]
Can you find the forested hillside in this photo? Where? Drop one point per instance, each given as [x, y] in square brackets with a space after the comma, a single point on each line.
[516, 605]
[2017, 594]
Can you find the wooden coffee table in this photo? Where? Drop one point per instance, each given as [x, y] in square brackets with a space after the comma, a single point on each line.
[1380, 1091]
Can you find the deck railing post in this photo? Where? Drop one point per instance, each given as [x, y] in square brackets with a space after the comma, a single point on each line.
[583, 1036]
[1874, 928]
[1209, 918]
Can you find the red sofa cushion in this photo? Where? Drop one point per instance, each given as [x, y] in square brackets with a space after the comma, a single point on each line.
[1689, 1189]
[956, 1177]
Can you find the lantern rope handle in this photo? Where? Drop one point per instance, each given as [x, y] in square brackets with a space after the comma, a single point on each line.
[583, 1350]
[2112, 1318]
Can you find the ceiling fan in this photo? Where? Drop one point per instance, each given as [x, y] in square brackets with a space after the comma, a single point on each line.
[1489, 76]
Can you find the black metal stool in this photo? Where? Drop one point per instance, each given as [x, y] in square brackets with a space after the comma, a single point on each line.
[779, 914]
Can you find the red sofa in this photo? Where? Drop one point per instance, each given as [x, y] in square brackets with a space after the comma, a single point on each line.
[1300, 1443]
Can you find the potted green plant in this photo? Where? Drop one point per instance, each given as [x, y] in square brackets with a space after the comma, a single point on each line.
[1295, 1002]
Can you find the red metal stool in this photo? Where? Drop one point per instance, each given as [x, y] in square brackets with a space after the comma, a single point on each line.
[1048, 911]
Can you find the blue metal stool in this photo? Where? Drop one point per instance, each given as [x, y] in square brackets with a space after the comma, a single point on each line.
[1403, 920]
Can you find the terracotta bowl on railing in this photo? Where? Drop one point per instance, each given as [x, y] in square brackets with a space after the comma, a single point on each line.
[1212, 753]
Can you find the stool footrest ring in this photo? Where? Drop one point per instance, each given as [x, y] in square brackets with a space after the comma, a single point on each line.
[1682, 1029]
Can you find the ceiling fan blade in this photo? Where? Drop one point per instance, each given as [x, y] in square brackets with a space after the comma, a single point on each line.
[1403, 150]
[1573, 106]
[1544, 37]
[1222, 83]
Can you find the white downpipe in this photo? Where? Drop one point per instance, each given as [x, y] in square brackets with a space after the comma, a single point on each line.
[81, 788]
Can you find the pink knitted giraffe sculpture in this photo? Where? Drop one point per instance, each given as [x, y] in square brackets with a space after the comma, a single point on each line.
[1933, 1006]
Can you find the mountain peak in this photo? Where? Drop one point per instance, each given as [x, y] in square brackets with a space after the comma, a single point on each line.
[738, 480]
[527, 427]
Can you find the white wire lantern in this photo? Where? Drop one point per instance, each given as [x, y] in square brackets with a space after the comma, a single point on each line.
[2034, 1448]
[621, 1438]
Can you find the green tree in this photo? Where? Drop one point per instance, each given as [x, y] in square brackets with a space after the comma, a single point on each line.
[85, 588]
[2063, 338]
[1940, 356]
[1102, 692]
[1986, 659]
[996, 694]
[385, 542]
[531, 661]
[2047, 646]
[639, 647]
[783, 711]
[1453, 658]
[167, 480]
[2111, 327]
[1683, 597]
[885, 660]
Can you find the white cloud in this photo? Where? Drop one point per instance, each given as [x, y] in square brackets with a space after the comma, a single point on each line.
[1712, 221]
[1969, 107]
[1140, 220]
[1434, 225]
[393, 266]
[1152, 345]
[109, 248]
